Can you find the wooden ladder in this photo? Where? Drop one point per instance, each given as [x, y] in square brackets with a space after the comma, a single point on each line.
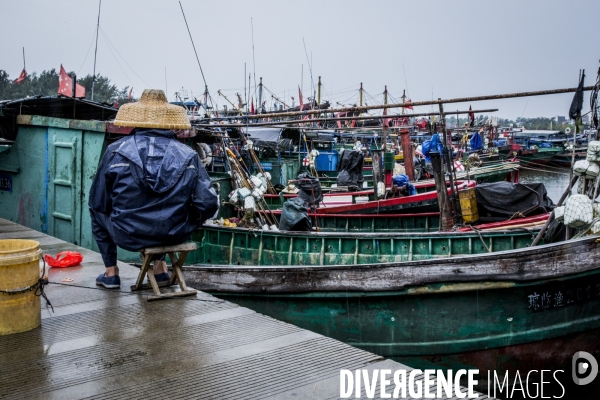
[176, 274]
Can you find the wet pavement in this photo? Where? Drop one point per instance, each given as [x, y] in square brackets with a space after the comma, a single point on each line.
[113, 344]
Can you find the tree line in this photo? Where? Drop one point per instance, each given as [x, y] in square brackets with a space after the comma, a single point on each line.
[538, 123]
[46, 84]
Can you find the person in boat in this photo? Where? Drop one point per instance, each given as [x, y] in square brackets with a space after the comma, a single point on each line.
[149, 190]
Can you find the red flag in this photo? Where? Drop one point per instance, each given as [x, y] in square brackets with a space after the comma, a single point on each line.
[79, 91]
[116, 105]
[409, 107]
[471, 117]
[424, 123]
[65, 85]
[252, 106]
[21, 77]
[300, 97]
[129, 95]
[339, 122]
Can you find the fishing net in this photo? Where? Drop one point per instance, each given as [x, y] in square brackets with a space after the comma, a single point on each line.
[593, 151]
[579, 211]
[586, 168]
[559, 213]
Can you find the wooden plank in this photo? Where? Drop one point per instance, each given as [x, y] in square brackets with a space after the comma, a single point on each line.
[165, 249]
[164, 296]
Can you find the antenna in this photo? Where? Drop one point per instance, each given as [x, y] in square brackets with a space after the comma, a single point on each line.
[166, 87]
[195, 52]
[24, 58]
[253, 61]
[309, 66]
[405, 83]
[95, 51]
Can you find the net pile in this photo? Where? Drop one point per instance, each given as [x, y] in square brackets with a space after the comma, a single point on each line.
[580, 210]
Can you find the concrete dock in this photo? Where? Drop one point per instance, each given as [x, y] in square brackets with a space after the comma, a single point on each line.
[113, 344]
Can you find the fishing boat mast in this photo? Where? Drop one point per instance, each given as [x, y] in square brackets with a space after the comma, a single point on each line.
[319, 93]
[260, 88]
[384, 124]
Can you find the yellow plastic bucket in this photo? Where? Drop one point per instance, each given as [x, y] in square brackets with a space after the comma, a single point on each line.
[20, 309]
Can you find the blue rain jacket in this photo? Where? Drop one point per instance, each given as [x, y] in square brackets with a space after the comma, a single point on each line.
[402, 180]
[154, 189]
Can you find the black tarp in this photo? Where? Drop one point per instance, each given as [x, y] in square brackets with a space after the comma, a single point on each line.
[556, 232]
[310, 189]
[505, 199]
[294, 216]
[350, 169]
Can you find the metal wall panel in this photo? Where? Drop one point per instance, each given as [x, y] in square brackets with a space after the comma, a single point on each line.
[64, 184]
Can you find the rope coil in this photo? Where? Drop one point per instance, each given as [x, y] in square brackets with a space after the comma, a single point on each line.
[37, 287]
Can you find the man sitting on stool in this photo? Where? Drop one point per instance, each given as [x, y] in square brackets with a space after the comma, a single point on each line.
[149, 190]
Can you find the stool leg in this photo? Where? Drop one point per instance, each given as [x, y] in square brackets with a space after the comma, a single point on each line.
[177, 270]
[154, 284]
[143, 272]
[174, 259]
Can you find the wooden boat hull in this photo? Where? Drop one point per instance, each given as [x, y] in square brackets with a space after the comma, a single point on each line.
[487, 174]
[436, 309]
[424, 202]
[347, 251]
[564, 159]
[540, 157]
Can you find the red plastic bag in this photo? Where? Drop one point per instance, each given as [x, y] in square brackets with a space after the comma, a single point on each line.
[69, 259]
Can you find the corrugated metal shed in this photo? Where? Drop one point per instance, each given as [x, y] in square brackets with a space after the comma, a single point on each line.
[54, 106]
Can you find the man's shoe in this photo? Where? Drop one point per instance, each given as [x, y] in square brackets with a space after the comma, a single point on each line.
[109, 282]
[162, 279]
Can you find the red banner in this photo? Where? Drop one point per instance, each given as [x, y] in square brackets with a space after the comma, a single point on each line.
[21, 77]
[65, 85]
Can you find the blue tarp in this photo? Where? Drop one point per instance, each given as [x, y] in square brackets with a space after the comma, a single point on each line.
[403, 180]
[476, 142]
[434, 144]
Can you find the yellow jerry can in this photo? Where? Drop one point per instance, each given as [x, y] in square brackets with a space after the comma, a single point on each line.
[468, 205]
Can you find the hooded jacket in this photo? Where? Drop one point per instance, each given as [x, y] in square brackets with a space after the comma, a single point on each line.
[154, 189]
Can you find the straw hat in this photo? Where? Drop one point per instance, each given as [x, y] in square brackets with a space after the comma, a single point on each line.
[152, 111]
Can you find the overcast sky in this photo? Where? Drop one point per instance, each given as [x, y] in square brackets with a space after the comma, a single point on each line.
[431, 48]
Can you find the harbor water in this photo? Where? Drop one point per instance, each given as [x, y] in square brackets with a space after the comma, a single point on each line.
[555, 179]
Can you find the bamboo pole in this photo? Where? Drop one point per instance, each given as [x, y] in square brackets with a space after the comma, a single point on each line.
[301, 121]
[446, 220]
[427, 102]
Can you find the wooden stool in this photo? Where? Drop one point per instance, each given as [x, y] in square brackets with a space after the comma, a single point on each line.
[176, 274]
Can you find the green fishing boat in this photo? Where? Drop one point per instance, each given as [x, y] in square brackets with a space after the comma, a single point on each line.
[459, 299]
[508, 171]
[540, 156]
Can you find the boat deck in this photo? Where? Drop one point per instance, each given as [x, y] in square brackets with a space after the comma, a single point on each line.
[113, 344]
